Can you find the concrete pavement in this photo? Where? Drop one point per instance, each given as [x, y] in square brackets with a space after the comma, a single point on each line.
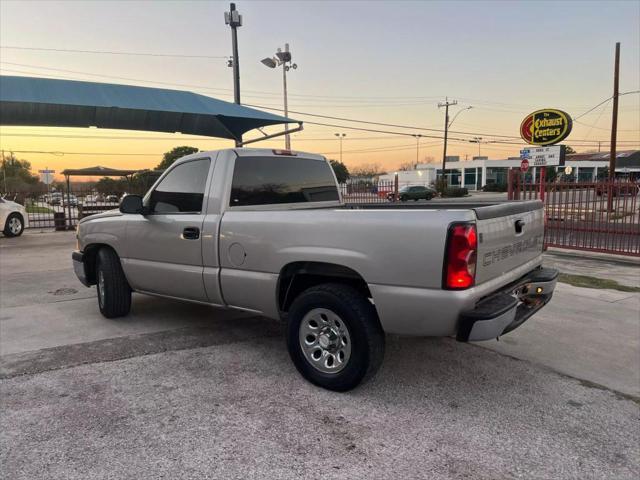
[186, 391]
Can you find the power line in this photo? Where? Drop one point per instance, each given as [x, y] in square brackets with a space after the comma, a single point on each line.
[106, 52]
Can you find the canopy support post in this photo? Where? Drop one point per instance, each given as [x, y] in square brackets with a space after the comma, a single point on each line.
[273, 135]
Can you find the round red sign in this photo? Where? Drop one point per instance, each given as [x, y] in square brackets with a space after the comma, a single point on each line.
[524, 165]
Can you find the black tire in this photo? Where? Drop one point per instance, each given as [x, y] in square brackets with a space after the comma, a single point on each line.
[7, 229]
[360, 318]
[116, 301]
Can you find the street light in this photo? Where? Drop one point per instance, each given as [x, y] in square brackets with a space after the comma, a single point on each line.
[446, 104]
[340, 136]
[458, 113]
[284, 59]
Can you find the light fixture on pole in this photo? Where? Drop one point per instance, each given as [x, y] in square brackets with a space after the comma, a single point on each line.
[284, 59]
[340, 136]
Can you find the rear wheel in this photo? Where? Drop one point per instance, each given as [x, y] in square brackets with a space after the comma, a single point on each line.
[334, 337]
[14, 226]
[114, 292]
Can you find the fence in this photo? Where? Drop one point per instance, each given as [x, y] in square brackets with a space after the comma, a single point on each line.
[63, 209]
[600, 216]
[369, 191]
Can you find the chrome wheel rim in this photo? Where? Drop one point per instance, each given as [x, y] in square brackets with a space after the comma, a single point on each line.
[15, 226]
[101, 288]
[325, 340]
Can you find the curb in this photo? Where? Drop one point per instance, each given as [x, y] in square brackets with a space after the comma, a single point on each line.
[608, 257]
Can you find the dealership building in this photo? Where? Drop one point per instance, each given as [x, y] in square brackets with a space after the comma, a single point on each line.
[475, 174]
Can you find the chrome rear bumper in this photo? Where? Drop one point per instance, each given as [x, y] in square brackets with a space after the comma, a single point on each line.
[508, 308]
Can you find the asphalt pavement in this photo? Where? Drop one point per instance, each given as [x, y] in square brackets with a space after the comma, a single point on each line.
[187, 391]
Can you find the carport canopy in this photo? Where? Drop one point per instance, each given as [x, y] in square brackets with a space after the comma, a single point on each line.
[98, 171]
[29, 101]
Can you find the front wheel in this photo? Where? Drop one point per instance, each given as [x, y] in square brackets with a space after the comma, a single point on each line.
[334, 337]
[114, 292]
[14, 225]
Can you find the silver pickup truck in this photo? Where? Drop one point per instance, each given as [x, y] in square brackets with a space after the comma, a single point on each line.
[266, 231]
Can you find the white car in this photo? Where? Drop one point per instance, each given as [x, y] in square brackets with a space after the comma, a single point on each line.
[13, 218]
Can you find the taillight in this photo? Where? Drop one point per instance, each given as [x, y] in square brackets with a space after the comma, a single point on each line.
[461, 254]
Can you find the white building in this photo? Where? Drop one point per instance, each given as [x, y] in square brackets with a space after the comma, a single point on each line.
[475, 174]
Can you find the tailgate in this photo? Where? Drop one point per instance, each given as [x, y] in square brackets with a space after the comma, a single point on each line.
[509, 235]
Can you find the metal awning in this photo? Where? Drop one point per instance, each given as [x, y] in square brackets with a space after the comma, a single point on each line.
[29, 101]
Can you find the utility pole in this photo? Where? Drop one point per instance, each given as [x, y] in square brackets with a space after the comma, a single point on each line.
[234, 20]
[418, 136]
[478, 140]
[4, 171]
[446, 106]
[340, 136]
[614, 129]
[614, 116]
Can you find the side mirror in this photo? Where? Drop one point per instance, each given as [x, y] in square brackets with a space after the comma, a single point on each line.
[131, 204]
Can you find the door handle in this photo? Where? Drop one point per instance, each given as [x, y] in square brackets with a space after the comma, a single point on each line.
[191, 233]
[519, 226]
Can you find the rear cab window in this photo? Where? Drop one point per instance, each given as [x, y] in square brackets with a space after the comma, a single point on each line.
[273, 180]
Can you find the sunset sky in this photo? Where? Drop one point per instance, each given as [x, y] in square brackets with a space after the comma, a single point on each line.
[389, 62]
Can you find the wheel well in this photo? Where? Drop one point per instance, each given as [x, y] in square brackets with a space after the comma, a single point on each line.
[17, 214]
[296, 277]
[90, 255]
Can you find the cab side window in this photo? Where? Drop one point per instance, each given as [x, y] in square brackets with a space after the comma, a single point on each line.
[182, 190]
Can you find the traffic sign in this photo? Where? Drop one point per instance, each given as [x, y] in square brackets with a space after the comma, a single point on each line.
[46, 176]
[544, 156]
[524, 165]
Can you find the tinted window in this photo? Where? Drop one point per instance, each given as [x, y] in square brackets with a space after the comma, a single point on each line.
[271, 180]
[182, 190]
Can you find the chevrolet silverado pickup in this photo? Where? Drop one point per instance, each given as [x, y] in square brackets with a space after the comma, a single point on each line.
[266, 231]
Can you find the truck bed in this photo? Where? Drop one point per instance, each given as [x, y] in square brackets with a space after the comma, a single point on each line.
[483, 210]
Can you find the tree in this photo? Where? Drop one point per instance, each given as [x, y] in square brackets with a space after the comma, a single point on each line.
[367, 170]
[341, 170]
[406, 166]
[569, 150]
[170, 157]
[110, 186]
[17, 176]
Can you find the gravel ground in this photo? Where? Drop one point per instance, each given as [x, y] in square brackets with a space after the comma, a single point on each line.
[437, 409]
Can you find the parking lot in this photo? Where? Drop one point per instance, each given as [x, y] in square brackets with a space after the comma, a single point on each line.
[179, 390]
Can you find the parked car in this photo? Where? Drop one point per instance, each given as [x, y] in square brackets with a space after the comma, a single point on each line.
[69, 200]
[413, 192]
[265, 231]
[55, 198]
[112, 199]
[13, 218]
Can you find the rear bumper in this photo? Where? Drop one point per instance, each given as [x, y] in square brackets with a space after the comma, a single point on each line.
[508, 308]
[77, 258]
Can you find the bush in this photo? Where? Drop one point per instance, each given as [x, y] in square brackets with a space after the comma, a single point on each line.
[495, 187]
[455, 192]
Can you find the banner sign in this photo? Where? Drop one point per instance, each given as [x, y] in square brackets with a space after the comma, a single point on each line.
[546, 127]
[544, 156]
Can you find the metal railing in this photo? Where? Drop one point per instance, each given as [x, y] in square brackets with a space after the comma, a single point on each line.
[599, 216]
[63, 209]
